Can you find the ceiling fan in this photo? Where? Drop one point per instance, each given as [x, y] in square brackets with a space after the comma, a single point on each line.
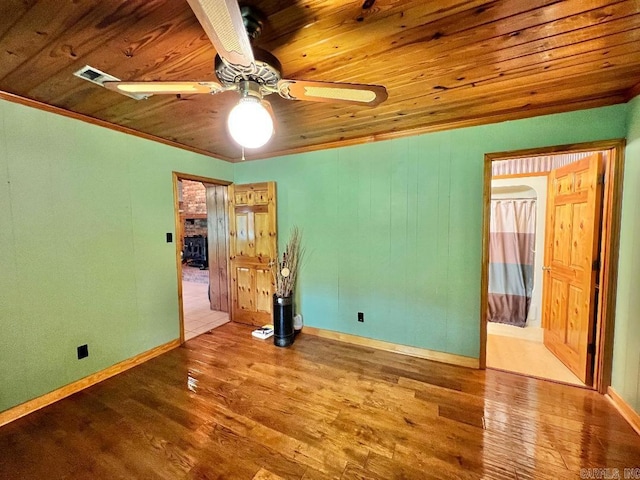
[253, 72]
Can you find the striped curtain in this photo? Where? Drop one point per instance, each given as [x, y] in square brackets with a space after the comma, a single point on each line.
[511, 255]
[540, 163]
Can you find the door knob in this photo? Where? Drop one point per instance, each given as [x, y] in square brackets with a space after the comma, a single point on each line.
[546, 269]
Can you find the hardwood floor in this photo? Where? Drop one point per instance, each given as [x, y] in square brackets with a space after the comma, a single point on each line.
[227, 405]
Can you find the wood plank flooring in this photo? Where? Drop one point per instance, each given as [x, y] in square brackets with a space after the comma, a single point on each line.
[227, 405]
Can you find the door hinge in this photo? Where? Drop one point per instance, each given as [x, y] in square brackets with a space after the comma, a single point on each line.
[601, 179]
[591, 349]
[595, 265]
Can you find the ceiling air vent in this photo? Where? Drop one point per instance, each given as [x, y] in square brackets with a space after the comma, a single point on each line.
[98, 77]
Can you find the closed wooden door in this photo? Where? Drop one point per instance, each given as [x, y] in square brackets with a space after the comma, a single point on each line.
[252, 245]
[570, 271]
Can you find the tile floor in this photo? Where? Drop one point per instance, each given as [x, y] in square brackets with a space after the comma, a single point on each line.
[535, 334]
[198, 316]
[526, 357]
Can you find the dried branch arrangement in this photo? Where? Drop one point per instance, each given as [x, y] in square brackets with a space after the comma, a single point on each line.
[285, 270]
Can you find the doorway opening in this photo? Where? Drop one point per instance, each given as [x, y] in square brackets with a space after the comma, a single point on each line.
[550, 246]
[202, 245]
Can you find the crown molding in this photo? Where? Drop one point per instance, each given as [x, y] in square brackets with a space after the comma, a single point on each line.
[10, 97]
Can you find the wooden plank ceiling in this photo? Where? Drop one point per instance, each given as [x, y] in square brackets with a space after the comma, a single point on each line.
[445, 63]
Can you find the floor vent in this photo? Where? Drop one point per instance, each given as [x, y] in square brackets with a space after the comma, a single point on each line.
[98, 77]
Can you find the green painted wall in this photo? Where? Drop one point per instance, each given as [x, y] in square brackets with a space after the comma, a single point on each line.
[393, 229]
[83, 258]
[626, 353]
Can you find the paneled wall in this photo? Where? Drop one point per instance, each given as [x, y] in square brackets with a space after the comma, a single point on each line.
[626, 356]
[83, 254]
[393, 229]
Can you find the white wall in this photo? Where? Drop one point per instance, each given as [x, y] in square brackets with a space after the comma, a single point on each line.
[526, 187]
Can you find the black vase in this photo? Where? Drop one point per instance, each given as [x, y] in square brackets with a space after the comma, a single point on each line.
[282, 321]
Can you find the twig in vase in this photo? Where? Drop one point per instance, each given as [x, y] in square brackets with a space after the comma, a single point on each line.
[285, 271]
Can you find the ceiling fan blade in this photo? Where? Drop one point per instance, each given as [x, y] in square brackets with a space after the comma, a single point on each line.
[222, 22]
[353, 93]
[153, 88]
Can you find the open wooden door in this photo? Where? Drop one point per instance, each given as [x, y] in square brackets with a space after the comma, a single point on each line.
[217, 246]
[252, 243]
[571, 263]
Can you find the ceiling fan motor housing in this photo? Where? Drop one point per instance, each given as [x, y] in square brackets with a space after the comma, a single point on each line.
[252, 20]
[266, 71]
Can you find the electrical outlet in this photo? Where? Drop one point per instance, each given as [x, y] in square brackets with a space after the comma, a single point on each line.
[83, 351]
[360, 317]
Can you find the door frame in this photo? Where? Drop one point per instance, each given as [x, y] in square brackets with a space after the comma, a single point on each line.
[176, 177]
[609, 249]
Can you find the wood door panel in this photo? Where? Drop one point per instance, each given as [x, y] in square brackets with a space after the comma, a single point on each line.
[263, 245]
[261, 197]
[561, 234]
[223, 245]
[212, 246]
[243, 231]
[573, 226]
[253, 242]
[575, 311]
[264, 299]
[241, 198]
[558, 304]
[245, 289]
[581, 181]
[217, 246]
[580, 250]
[564, 184]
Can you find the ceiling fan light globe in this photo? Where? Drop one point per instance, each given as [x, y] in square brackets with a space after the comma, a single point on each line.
[250, 123]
